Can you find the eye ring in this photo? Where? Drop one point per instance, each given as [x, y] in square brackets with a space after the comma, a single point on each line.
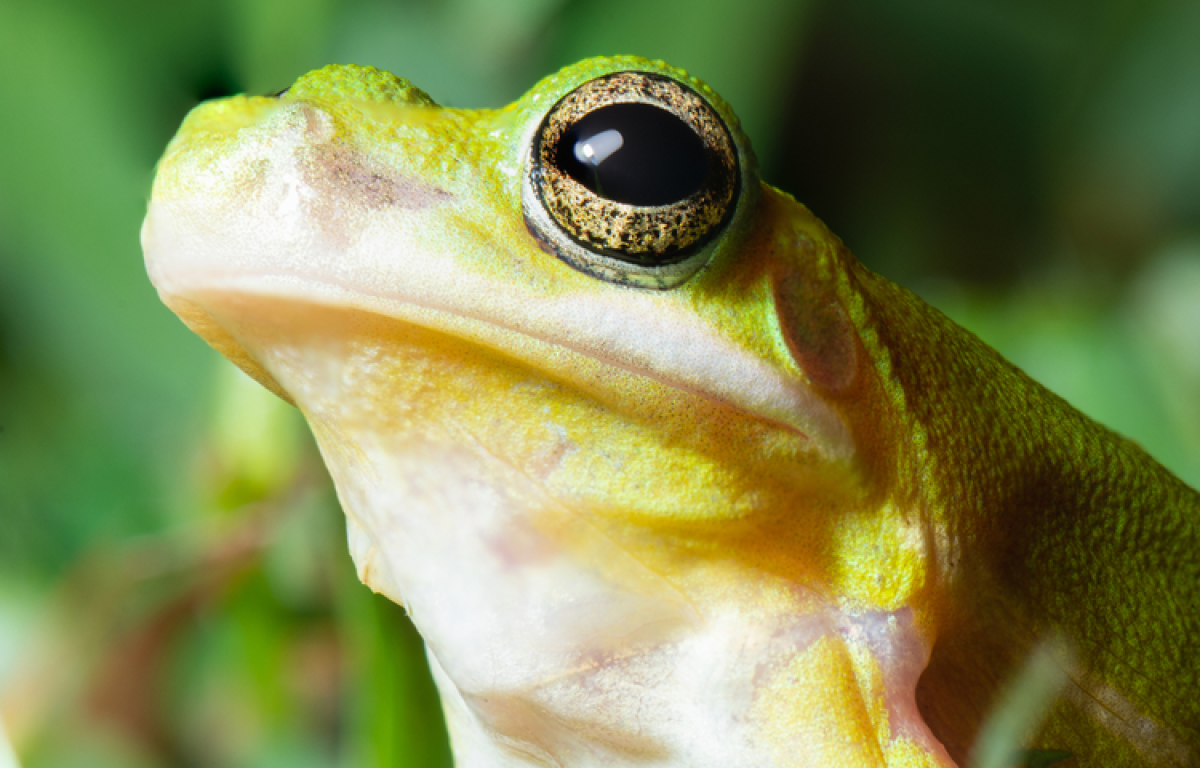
[675, 187]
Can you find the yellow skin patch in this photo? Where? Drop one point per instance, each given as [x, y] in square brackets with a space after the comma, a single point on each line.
[879, 559]
[783, 514]
[803, 711]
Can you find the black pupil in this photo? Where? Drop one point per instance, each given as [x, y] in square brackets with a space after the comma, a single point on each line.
[634, 153]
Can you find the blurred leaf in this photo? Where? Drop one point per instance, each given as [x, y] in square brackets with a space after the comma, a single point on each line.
[8, 758]
[397, 718]
[747, 50]
[464, 53]
[256, 439]
[276, 41]
[97, 374]
[1165, 313]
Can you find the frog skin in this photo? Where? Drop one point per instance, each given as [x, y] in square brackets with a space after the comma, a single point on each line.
[678, 482]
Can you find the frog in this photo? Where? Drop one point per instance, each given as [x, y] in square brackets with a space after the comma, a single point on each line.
[661, 473]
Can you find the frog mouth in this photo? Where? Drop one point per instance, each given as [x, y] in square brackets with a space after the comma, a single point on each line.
[548, 331]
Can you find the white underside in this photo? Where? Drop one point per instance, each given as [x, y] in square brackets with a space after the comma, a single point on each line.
[542, 660]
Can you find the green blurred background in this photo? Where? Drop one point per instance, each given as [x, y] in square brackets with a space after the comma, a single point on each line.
[174, 585]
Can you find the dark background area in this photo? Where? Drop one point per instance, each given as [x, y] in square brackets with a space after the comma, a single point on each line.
[174, 585]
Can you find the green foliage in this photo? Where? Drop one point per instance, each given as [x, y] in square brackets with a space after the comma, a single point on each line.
[174, 591]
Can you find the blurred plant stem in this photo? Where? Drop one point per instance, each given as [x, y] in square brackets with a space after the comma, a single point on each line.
[8, 758]
[1018, 713]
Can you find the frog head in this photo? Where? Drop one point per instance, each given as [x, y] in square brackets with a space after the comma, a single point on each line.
[595, 402]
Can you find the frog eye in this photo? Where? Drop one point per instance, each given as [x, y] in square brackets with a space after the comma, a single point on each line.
[629, 176]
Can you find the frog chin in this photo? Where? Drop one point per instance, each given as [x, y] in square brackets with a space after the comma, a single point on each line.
[554, 644]
[545, 656]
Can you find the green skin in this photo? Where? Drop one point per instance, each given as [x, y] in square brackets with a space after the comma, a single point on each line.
[1047, 529]
[1064, 525]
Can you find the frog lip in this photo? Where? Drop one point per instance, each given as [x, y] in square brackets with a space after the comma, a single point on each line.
[612, 329]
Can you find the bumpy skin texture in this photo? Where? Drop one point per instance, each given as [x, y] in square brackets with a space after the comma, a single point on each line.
[784, 514]
[1057, 526]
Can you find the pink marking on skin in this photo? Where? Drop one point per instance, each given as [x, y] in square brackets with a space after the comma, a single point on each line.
[902, 653]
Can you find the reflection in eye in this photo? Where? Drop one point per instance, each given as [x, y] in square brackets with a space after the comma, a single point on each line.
[598, 148]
